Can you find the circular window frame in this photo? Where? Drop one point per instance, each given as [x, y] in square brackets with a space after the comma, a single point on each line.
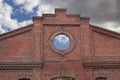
[66, 51]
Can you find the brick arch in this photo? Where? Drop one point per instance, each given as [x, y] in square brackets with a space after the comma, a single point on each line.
[101, 78]
[24, 79]
[63, 78]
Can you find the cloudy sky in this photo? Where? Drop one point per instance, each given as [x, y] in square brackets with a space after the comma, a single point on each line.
[61, 42]
[18, 13]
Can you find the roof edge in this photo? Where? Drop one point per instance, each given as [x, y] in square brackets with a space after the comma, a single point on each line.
[15, 32]
[105, 31]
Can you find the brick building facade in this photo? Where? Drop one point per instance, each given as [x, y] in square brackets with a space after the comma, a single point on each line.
[28, 53]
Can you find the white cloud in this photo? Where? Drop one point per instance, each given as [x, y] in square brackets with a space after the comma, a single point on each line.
[27, 5]
[63, 39]
[2, 30]
[5, 16]
[24, 23]
[114, 26]
[44, 8]
[19, 1]
[6, 20]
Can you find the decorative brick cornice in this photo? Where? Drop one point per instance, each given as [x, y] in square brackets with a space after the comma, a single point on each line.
[54, 15]
[54, 25]
[102, 65]
[48, 15]
[15, 32]
[73, 15]
[105, 31]
[19, 65]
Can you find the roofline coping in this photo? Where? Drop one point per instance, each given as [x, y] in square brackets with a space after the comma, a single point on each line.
[105, 31]
[14, 32]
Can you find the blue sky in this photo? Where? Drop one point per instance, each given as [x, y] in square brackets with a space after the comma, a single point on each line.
[61, 42]
[18, 13]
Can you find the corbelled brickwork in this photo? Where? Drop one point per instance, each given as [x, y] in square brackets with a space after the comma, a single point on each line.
[28, 53]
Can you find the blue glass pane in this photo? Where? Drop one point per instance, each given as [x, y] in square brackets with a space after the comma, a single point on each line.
[61, 42]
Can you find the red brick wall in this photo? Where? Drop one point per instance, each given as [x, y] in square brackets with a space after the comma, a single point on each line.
[15, 75]
[58, 69]
[75, 54]
[110, 74]
[106, 45]
[16, 48]
[70, 64]
[35, 46]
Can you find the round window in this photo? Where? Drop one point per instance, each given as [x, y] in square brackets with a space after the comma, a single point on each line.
[61, 42]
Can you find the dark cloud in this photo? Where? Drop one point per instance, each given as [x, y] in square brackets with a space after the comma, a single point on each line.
[100, 11]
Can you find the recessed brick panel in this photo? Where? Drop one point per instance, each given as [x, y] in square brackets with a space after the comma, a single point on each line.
[75, 54]
[106, 45]
[16, 48]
